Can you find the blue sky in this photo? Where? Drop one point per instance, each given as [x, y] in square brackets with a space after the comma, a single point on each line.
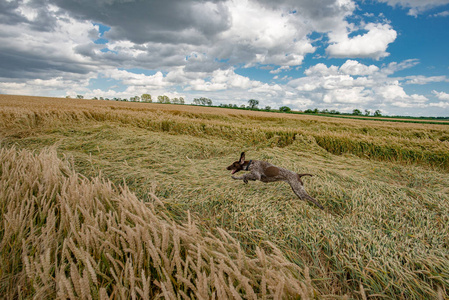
[387, 55]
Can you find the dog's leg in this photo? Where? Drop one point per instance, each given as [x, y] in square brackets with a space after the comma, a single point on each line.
[249, 176]
[299, 190]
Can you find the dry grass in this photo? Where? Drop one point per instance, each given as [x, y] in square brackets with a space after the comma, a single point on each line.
[384, 232]
[64, 236]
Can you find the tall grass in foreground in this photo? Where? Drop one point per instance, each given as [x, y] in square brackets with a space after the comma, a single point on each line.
[65, 236]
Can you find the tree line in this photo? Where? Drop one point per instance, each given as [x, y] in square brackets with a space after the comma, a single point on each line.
[253, 104]
[355, 112]
[145, 98]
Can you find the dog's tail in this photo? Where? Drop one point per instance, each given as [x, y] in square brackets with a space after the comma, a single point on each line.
[304, 174]
[301, 175]
[301, 192]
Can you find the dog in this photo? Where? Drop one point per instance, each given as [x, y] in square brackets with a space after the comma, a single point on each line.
[266, 172]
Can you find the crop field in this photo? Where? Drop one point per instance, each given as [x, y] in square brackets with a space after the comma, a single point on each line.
[104, 199]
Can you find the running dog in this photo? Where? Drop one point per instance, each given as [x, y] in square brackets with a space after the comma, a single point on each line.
[266, 172]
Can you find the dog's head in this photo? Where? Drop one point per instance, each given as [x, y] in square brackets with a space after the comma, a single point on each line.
[237, 165]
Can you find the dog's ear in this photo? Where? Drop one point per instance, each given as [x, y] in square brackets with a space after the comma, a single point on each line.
[242, 158]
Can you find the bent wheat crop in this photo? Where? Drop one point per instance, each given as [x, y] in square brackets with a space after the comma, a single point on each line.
[64, 236]
[384, 232]
[408, 143]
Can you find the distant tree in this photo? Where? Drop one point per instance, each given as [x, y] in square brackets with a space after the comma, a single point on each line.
[334, 112]
[377, 113]
[325, 111]
[267, 108]
[356, 112]
[79, 97]
[253, 103]
[94, 98]
[68, 97]
[179, 100]
[226, 105]
[367, 112]
[202, 101]
[285, 109]
[146, 98]
[308, 111]
[134, 99]
[101, 98]
[315, 111]
[163, 99]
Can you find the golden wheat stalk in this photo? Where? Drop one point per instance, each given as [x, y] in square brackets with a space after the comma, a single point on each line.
[79, 238]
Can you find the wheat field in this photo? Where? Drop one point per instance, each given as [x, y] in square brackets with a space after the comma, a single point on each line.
[103, 199]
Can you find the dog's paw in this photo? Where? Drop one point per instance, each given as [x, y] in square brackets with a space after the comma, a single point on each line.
[245, 181]
[234, 177]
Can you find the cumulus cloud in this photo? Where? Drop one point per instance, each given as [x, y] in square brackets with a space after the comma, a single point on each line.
[128, 78]
[352, 67]
[416, 7]
[58, 36]
[421, 80]
[441, 95]
[441, 14]
[56, 86]
[52, 38]
[394, 67]
[351, 95]
[263, 35]
[221, 80]
[26, 52]
[354, 84]
[395, 94]
[173, 22]
[373, 43]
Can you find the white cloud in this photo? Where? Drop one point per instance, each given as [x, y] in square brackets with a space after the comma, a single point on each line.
[354, 84]
[440, 104]
[441, 95]
[394, 67]
[321, 69]
[395, 94]
[391, 92]
[441, 14]
[128, 78]
[27, 52]
[223, 80]
[272, 90]
[280, 69]
[421, 80]
[352, 67]
[263, 35]
[352, 95]
[297, 102]
[372, 44]
[416, 6]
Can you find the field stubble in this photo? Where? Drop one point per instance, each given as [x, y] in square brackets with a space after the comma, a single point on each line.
[385, 230]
